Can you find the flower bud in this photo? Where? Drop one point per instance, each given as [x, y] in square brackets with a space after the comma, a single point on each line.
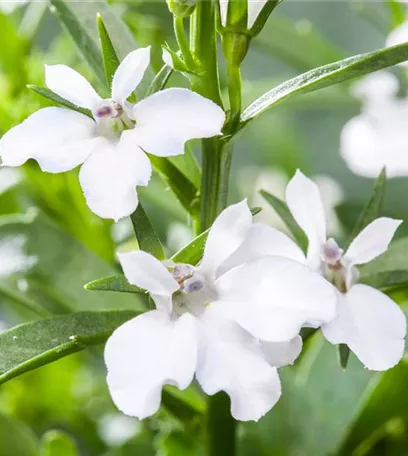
[181, 8]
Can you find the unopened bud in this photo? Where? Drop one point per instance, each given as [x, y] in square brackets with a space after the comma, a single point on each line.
[181, 8]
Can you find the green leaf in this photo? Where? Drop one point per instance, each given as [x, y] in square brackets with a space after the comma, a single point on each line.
[109, 56]
[344, 354]
[325, 76]
[373, 208]
[57, 443]
[386, 280]
[16, 439]
[32, 345]
[160, 80]
[284, 213]
[84, 41]
[50, 95]
[182, 187]
[146, 235]
[113, 283]
[192, 252]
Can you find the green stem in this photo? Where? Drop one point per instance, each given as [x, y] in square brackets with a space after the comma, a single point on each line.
[220, 427]
[235, 95]
[184, 45]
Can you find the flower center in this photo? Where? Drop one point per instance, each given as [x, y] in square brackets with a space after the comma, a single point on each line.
[333, 268]
[194, 294]
[111, 119]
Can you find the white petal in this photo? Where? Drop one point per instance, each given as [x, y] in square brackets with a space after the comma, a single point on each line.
[376, 86]
[230, 360]
[223, 11]
[262, 240]
[226, 234]
[372, 241]
[371, 324]
[305, 203]
[273, 297]
[69, 84]
[110, 176]
[254, 9]
[147, 272]
[376, 139]
[146, 353]
[129, 74]
[58, 139]
[398, 36]
[281, 354]
[167, 119]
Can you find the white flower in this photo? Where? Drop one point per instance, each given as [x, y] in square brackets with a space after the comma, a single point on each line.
[368, 321]
[398, 36]
[8, 6]
[377, 137]
[112, 145]
[254, 9]
[198, 327]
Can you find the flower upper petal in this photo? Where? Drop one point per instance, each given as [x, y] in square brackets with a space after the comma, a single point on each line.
[230, 360]
[371, 324]
[305, 203]
[223, 11]
[263, 240]
[58, 139]
[146, 353]
[225, 236]
[129, 74]
[279, 354]
[254, 9]
[372, 241]
[69, 84]
[147, 272]
[169, 118]
[110, 176]
[273, 297]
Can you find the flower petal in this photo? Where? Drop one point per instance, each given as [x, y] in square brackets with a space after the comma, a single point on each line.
[305, 203]
[110, 176]
[254, 9]
[147, 272]
[279, 354]
[169, 118]
[223, 11]
[262, 240]
[58, 139]
[129, 74]
[69, 84]
[274, 297]
[230, 360]
[398, 36]
[372, 241]
[146, 353]
[226, 234]
[371, 324]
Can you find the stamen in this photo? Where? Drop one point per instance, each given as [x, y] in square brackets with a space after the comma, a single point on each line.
[107, 109]
[182, 271]
[331, 253]
[193, 284]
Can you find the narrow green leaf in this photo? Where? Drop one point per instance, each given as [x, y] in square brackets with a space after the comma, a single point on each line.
[325, 76]
[185, 405]
[113, 283]
[50, 95]
[386, 280]
[145, 234]
[109, 56]
[188, 165]
[372, 209]
[57, 443]
[32, 345]
[284, 213]
[344, 354]
[181, 186]
[160, 80]
[84, 41]
[16, 439]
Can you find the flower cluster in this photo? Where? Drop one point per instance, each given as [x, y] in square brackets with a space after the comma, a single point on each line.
[234, 318]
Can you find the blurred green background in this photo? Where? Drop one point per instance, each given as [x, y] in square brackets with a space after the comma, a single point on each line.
[51, 244]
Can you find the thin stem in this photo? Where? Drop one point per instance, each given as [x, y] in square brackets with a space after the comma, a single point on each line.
[184, 45]
[235, 95]
[221, 427]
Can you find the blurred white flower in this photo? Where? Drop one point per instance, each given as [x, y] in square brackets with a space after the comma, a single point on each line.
[398, 36]
[377, 137]
[208, 323]
[252, 179]
[368, 321]
[13, 255]
[116, 429]
[254, 9]
[112, 145]
[8, 6]
[9, 178]
[178, 236]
